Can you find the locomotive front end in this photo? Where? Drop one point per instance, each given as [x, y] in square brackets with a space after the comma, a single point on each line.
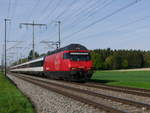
[79, 65]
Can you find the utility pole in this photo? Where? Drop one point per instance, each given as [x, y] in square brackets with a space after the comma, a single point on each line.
[59, 41]
[6, 20]
[2, 62]
[33, 28]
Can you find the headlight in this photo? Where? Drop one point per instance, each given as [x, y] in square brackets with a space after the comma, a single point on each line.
[72, 68]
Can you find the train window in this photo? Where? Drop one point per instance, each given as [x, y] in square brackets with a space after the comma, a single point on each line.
[80, 57]
[77, 56]
[66, 56]
[36, 64]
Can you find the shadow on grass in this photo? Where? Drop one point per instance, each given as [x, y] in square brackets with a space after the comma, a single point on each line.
[102, 81]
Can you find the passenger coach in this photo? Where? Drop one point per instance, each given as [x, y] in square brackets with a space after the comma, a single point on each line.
[72, 63]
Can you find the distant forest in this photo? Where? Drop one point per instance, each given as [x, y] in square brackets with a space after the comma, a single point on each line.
[107, 59]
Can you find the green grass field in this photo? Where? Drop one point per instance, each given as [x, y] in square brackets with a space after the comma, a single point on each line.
[12, 100]
[138, 79]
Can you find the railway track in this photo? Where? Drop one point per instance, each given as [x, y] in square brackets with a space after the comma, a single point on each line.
[128, 90]
[133, 91]
[79, 94]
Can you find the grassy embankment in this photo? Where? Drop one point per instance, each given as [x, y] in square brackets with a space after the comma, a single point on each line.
[138, 79]
[11, 99]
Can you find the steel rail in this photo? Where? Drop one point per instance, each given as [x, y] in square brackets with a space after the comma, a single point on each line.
[124, 90]
[122, 87]
[120, 100]
[48, 86]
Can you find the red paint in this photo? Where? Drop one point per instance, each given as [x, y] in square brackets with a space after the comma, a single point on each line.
[55, 62]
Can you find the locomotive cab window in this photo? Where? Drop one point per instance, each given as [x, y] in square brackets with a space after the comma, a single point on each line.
[66, 56]
[77, 56]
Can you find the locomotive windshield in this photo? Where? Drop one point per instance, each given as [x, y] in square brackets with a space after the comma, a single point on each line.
[77, 56]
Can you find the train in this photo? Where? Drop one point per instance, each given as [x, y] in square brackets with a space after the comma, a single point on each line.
[70, 63]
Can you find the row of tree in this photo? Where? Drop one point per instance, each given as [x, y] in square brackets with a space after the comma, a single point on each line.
[30, 57]
[107, 59]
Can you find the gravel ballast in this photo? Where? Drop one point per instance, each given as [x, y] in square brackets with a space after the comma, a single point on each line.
[105, 101]
[46, 101]
[102, 91]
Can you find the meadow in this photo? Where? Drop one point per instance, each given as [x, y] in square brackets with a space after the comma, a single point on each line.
[138, 79]
[11, 99]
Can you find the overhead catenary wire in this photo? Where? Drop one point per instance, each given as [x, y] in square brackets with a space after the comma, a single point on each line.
[15, 7]
[73, 18]
[88, 14]
[89, 4]
[115, 28]
[54, 9]
[30, 14]
[47, 6]
[62, 13]
[9, 7]
[133, 22]
[83, 11]
[66, 9]
[33, 8]
[46, 9]
[102, 19]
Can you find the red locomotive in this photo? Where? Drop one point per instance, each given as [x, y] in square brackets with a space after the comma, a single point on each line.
[72, 63]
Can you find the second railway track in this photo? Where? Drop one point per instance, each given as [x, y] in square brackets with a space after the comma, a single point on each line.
[135, 91]
[92, 98]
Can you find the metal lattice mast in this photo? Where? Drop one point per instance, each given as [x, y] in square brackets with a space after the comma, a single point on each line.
[33, 34]
[6, 20]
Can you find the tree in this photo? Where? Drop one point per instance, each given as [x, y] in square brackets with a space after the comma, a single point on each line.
[109, 62]
[124, 64]
[97, 60]
[146, 59]
[30, 57]
[117, 61]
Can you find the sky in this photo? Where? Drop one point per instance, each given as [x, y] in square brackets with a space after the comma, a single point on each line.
[115, 24]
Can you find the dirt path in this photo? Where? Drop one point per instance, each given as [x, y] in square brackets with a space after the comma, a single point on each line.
[137, 69]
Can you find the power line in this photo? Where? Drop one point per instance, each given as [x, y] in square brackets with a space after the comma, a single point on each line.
[89, 2]
[15, 7]
[133, 22]
[50, 44]
[120, 26]
[9, 6]
[76, 22]
[33, 27]
[54, 9]
[33, 8]
[70, 6]
[48, 5]
[11, 16]
[91, 7]
[58, 43]
[103, 18]
[63, 12]
[66, 9]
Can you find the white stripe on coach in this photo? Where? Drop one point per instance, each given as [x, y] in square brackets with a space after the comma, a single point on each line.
[29, 69]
